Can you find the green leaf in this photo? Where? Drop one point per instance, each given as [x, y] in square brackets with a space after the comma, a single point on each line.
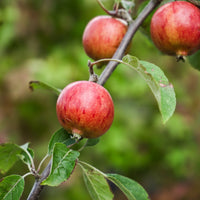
[11, 187]
[60, 136]
[96, 183]
[27, 154]
[10, 153]
[64, 161]
[158, 83]
[39, 84]
[132, 189]
[195, 60]
[127, 5]
[92, 141]
[8, 156]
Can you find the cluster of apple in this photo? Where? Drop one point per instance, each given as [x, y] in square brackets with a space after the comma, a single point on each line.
[86, 108]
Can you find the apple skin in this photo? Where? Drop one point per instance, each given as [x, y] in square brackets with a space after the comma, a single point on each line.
[102, 36]
[85, 108]
[175, 28]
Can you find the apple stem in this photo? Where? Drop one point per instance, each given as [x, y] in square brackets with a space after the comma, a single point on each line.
[93, 77]
[104, 60]
[116, 6]
[120, 13]
[111, 13]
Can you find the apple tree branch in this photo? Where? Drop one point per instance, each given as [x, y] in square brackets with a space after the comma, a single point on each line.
[111, 66]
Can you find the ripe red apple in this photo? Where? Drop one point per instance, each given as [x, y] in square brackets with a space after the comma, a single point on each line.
[175, 28]
[102, 36]
[85, 108]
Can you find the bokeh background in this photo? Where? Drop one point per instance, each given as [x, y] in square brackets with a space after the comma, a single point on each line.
[42, 40]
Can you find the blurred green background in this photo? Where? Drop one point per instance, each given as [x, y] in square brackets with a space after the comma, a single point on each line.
[42, 40]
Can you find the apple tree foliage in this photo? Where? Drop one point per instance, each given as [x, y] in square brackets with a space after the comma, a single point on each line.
[62, 150]
[64, 159]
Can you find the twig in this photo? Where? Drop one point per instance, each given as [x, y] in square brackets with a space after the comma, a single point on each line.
[37, 188]
[39, 166]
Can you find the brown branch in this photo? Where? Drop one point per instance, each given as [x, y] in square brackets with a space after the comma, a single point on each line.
[133, 27]
[37, 188]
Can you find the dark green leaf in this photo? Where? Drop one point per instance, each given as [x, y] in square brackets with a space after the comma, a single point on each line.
[11, 187]
[64, 161]
[195, 60]
[158, 83]
[92, 141]
[39, 84]
[132, 189]
[8, 156]
[60, 136]
[96, 183]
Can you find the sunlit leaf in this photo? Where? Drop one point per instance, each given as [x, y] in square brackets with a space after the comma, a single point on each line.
[60, 136]
[96, 183]
[132, 189]
[39, 84]
[11, 187]
[64, 161]
[157, 81]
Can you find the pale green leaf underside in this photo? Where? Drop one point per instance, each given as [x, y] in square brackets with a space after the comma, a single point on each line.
[158, 83]
[11, 187]
[27, 154]
[96, 183]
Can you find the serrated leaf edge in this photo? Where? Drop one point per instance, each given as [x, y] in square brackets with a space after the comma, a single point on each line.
[121, 186]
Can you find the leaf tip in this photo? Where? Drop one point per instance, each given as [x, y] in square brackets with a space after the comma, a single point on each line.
[31, 87]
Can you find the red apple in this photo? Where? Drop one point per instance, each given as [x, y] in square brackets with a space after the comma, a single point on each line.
[102, 36]
[175, 28]
[85, 108]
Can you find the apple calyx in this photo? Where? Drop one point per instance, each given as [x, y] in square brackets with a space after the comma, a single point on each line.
[180, 58]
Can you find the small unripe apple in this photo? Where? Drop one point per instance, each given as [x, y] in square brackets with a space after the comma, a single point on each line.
[102, 36]
[85, 108]
[175, 28]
